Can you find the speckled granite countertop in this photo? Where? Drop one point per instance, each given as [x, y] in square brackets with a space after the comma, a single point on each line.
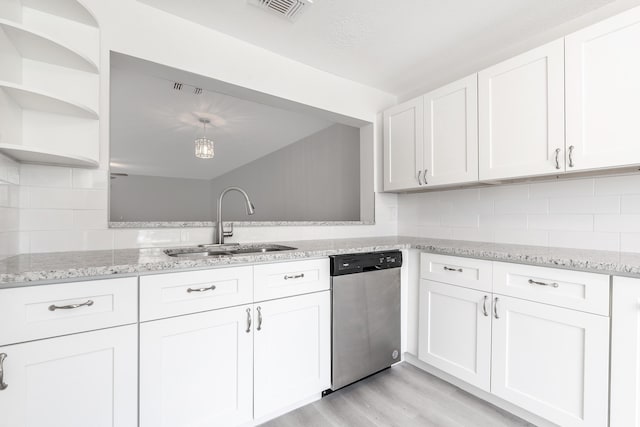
[22, 270]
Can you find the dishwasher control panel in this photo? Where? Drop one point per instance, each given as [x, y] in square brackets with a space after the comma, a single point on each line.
[370, 261]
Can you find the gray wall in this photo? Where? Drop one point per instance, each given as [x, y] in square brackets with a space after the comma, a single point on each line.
[153, 198]
[314, 179]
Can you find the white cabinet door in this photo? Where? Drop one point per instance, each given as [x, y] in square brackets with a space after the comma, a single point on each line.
[196, 370]
[86, 379]
[451, 133]
[603, 93]
[551, 361]
[521, 115]
[403, 144]
[625, 353]
[292, 340]
[455, 331]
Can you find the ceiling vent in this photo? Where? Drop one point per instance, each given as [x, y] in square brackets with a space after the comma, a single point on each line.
[185, 87]
[290, 9]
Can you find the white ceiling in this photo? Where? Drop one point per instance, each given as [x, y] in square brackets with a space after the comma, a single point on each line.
[153, 126]
[396, 46]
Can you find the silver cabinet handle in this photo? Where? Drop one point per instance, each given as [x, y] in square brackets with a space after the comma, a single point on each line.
[3, 385]
[424, 176]
[88, 303]
[419, 181]
[557, 158]
[210, 288]
[571, 148]
[553, 284]
[459, 270]
[495, 307]
[295, 276]
[248, 320]
[484, 306]
[259, 319]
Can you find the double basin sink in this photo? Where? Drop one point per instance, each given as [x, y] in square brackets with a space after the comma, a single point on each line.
[205, 251]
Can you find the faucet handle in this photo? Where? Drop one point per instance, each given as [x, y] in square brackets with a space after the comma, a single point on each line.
[228, 233]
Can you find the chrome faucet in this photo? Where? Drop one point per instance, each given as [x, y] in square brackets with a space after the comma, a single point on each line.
[220, 234]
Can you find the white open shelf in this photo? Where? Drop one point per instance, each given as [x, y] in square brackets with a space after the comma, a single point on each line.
[39, 47]
[24, 154]
[37, 100]
[69, 9]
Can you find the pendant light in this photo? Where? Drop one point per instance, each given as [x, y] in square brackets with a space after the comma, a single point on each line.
[204, 146]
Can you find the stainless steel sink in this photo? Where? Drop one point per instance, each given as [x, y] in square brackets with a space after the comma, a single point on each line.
[205, 251]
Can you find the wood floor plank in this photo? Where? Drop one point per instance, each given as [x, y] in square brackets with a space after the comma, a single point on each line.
[402, 396]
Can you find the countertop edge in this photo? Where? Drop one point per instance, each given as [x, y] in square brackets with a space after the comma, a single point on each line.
[600, 262]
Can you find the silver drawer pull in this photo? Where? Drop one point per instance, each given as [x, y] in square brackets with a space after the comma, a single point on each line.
[259, 319]
[459, 270]
[495, 307]
[484, 306]
[295, 276]
[248, 320]
[3, 385]
[210, 288]
[88, 303]
[557, 158]
[533, 282]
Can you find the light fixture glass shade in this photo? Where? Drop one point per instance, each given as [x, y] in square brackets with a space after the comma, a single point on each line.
[204, 148]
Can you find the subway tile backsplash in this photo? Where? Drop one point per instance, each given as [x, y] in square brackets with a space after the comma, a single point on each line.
[9, 207]
[589, 213]
[48, 209]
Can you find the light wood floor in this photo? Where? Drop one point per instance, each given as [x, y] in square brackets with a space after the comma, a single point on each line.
[402, 396]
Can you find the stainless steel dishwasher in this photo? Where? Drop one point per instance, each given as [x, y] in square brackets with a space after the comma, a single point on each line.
[365, 292]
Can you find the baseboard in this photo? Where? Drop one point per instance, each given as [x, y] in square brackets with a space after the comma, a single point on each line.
[481, 394]
[285, 410]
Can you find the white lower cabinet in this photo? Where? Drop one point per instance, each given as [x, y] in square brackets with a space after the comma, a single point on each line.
[292, 348]
[455, 331]
[551, 361]
[197, 370]
[540, 353]
[85, 379]
[625, 353]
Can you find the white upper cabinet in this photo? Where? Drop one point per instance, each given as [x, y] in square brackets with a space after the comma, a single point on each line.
[603, 93]
[450, 154]
[521, 115]
[403, 136]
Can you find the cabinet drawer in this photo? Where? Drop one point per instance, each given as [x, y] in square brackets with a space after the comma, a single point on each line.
[50, 310]
[577, 290]
[173, 294]
[467, 272]
[290, 278]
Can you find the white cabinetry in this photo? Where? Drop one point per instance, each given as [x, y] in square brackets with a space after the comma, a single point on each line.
[455, 331]
[625, 353]
[543, 346]
[229, 357]
[521, 115]
[49, 83]
[602, 93]
[78, 379]
[403, 136]
[72, 381]
[450, 153]
[551, 361]
[292, 339]
[197, 370]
